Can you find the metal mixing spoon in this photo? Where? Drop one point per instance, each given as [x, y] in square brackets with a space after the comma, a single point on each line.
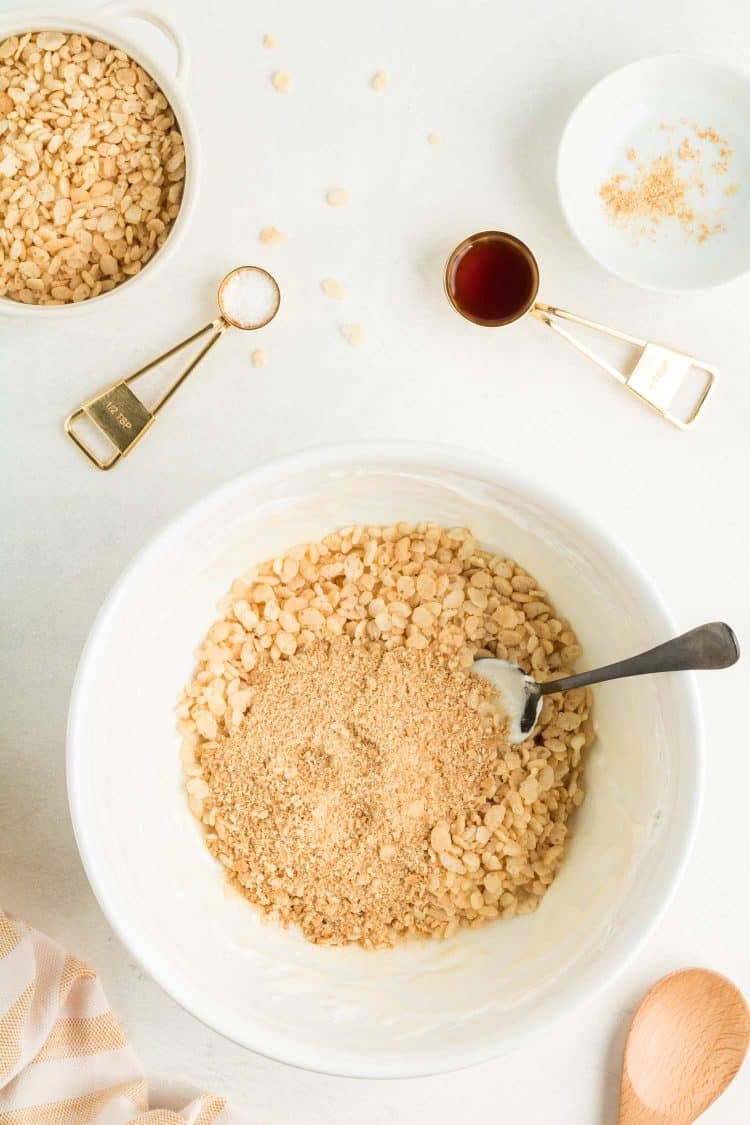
[708, 646]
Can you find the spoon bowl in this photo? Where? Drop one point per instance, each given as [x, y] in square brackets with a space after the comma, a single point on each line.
[686, 1043]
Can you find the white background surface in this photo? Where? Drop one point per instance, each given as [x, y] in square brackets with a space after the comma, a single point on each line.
[496, 81]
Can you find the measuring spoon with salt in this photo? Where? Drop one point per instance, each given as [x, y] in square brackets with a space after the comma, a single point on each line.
[248, 298]
[520, 696]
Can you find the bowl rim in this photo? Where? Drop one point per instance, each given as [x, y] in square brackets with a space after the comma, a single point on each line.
[17, 22]
[583, 102]
[623, 947]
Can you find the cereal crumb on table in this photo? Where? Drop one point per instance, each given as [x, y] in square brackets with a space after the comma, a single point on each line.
[269, 41]
[379, 81]
[333, 288]
[282, 82]
[354, 334]
[337, 197]
[258, 358]
[272, 236]
[434, 139]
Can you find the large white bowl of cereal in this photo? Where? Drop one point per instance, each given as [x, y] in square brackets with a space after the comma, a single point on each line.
[98, 157]
[523, 896]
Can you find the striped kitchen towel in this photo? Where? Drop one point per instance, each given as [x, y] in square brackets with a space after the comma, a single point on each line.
[64, 1059]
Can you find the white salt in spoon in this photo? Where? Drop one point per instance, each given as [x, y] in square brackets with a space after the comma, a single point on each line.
[249, 299]
[520, 696]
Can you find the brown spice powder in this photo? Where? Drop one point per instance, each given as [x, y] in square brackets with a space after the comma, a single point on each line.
[327, 794]
[656, 193]
[660, 191]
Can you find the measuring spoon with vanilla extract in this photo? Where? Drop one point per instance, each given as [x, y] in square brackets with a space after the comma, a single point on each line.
[492, 279]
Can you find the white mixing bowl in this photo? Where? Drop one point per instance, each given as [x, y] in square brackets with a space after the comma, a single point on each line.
[426, 1006]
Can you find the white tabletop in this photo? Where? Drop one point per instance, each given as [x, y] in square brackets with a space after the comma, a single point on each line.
[496, 81]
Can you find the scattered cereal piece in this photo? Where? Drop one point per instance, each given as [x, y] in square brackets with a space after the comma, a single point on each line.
[434, 139]
[333, 288]
[732, 189]
[354, 334]
[631, 154]
[258, 358]
[282, 82]
[337, 197]
[272, 236]
[379, 81]
[269, 41]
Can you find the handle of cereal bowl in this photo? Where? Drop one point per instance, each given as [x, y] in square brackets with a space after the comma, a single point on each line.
[117, 10]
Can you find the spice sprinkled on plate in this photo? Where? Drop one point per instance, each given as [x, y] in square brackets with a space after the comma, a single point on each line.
[672, 185]
[655, 193]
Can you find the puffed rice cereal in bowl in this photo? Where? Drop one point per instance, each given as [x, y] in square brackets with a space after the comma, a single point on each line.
[348, 769]
[92, 167]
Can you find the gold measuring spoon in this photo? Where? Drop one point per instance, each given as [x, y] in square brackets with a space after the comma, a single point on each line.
[686, 1043]
[492, 279]
[248, 298]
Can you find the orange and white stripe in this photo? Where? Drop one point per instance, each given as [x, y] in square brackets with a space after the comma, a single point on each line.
[64, 1059]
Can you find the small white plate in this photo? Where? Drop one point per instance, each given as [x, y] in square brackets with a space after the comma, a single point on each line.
[647, 110]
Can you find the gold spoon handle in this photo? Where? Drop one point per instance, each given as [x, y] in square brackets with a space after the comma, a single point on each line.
[658, 374]
[120, 415]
